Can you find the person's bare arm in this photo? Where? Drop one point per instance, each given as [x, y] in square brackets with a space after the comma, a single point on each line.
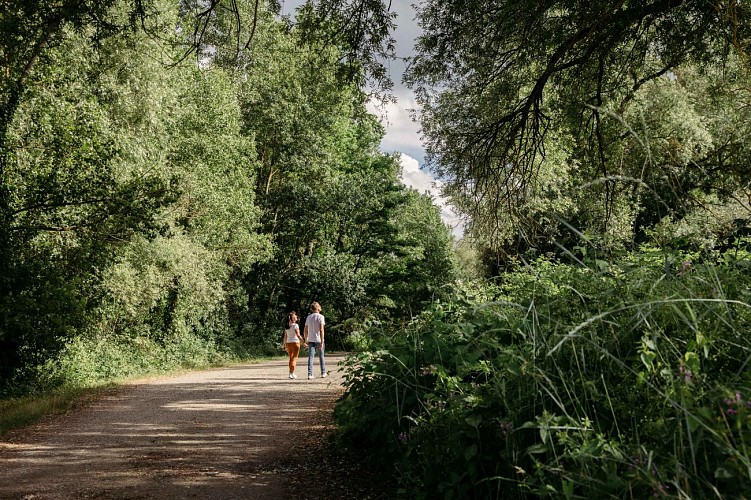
[322, 329]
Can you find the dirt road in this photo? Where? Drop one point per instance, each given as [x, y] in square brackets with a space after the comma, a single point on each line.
[241, 432]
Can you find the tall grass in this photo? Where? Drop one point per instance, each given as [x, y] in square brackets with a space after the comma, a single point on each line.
[625, 380]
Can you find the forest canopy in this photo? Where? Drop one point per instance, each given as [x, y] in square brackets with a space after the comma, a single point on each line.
[176, 176]
[552, 110]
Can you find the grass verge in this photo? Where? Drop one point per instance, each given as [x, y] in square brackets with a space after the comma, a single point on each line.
[16, 413]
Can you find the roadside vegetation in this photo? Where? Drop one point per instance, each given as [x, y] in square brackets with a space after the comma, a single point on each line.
[601, 153]
[567, 381]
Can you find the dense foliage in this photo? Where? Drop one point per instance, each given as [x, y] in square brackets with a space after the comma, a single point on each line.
[625, 380]
[177, 175]
[607, 116]
[161, 211]
[601, 152]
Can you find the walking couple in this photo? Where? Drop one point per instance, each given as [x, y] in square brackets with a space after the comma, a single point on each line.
[314, 326]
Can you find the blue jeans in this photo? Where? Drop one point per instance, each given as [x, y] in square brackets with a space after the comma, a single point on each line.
[312, 348]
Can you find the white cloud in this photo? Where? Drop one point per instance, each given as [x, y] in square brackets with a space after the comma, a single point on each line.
[402, 133]
[414, 177]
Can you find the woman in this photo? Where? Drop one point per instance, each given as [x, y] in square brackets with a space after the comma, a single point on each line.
[291, 340]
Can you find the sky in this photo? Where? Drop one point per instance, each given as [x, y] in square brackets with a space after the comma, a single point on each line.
[402, 133]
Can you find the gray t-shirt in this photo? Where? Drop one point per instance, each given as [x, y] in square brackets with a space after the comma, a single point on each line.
[314, 322]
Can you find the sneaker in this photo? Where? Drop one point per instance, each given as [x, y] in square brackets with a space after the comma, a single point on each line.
[324, 374]
[310, 377]
[293, 376]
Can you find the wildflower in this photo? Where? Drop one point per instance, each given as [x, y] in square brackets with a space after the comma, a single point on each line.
[687, 374]
[427, 370]
[505, 428]
[735, 403]
[403, 437]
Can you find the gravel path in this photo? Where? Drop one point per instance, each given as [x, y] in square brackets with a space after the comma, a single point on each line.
[240, 432]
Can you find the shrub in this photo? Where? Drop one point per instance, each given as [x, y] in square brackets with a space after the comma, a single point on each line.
[625, 379]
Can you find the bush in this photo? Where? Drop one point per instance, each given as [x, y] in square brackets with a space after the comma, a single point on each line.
[625, 379]
[89, 362]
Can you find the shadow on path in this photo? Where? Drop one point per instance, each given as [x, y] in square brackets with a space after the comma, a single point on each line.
[208, 434]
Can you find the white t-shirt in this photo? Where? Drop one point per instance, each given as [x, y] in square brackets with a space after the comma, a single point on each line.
[292, 332]
[315, 322]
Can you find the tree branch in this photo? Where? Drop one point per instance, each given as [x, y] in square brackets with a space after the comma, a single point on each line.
[46, 206]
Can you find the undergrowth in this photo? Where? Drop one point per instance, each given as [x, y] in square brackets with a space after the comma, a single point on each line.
[626, 379]
[20, 412]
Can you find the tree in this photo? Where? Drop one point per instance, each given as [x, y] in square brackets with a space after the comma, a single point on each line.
[78, 182]
[155, 207]
[330, 201]
[29, 29]
[361, 29]
[131, 201]
[496, 79]
[420, 263]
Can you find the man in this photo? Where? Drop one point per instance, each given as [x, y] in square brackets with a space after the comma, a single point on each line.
[314, 333]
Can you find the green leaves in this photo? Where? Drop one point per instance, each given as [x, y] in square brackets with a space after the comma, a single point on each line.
[344, 230]
[651, 392]
[152, 207]
[552, 120]
[132, 191]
